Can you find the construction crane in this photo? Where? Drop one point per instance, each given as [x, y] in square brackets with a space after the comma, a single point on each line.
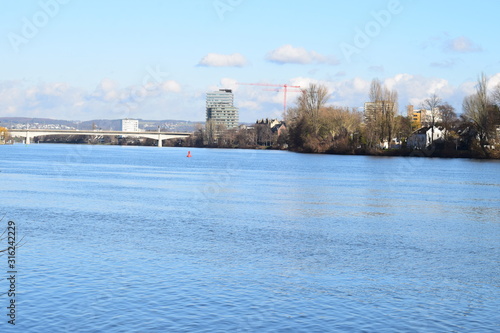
[285, 88]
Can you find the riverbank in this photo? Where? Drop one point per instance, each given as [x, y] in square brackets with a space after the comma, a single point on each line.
[436, 152]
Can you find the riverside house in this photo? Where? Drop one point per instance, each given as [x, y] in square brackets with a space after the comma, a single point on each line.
[425, 136]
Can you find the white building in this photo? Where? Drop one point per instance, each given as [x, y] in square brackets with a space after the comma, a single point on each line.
[130, 125]
[425, 136]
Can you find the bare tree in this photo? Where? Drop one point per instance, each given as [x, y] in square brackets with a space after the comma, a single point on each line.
[340, 121]
[477, 108]
[432, 103]
[448, 118]
[448, 114]
[391, 110]
[373, 115]
[496, 98]
[376, 90]
[292, 114]
[311, 101]
[264, 134]
[496, 94]
[246, 137]
[382, 111]
[210, 130]
[404, 127]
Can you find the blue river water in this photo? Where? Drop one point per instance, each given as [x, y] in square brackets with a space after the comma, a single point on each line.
[144, 239]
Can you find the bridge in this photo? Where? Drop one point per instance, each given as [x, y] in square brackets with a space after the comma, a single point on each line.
[29, 134]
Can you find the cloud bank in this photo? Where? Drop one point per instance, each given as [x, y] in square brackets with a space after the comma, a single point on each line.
[170, 100]
[107, 101]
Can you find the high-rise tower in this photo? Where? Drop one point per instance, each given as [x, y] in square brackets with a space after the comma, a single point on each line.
[220, 108]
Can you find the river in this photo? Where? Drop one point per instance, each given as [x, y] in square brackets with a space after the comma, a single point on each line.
[144, 239]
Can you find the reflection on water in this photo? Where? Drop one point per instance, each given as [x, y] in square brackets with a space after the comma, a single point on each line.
[124, 239]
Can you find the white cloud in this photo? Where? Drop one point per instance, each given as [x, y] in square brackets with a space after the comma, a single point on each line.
[461, 45]
[252, 105]
[224, 83]
[350, 93]
[170, 86]
[494, 81]
[304, 82]
[228, 83]
[412, 89]
[223, 60]
[467, 88]
[288, 54]
[107, 90]
[60, 100]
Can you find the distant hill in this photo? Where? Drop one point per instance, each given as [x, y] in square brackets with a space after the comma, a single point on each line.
[7, 121]
[104, 124]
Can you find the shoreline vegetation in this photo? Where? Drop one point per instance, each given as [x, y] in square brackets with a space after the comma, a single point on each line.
[437, 150]
[310, 126]
[275, 142]
[434, 152]
[434, 130]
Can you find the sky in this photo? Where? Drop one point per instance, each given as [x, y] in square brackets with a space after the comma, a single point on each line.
[152, 59]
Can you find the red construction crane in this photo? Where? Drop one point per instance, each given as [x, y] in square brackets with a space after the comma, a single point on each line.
[281, 86]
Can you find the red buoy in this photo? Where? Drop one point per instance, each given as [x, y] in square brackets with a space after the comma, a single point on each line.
[189, 154]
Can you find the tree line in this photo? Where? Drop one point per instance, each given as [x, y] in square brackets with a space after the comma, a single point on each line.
[315, 127]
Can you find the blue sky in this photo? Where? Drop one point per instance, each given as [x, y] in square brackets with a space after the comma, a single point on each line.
[81, 60]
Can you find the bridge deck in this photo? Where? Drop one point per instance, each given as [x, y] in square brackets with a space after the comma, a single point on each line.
[31, 133]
